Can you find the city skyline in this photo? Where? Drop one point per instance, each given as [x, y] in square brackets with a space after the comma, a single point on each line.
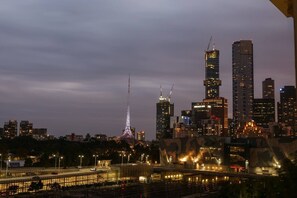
[64, 64]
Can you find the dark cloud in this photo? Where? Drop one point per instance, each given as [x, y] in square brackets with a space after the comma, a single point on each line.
[64, 65]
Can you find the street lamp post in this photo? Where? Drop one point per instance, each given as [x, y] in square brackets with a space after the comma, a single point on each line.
[55, 156]
[60, 158]
[247, 165]
[219, 161]
[123, 155]
[128, 160]
[81, 156]
[7, 162]
[95, 156]
[1, 161]
[142, 155]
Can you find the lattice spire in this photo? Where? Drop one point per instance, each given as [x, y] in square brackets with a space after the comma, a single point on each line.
[127, 132]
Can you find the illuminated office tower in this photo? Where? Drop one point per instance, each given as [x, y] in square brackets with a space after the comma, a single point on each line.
[287, 107]
[243, 81]
[264, 108]
[26, 128]
[212, 82]
[268, 88]
[165, 110]
[263, 111]
[201, 119]
[219, 110]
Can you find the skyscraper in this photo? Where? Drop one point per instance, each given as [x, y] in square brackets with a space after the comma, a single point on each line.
[264, 108]
[165, 110]
[212, 82]
[219, 110]
[268, 88]
[243, 81]
[287, 107]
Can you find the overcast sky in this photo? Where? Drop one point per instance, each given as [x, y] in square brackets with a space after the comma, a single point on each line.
[64, 64]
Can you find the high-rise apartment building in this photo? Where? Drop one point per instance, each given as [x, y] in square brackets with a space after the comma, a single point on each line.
[212, 82]
[165, 110]
[26, 128]
[287, 113]
[10, 129]
[243, 81]
[268, 88]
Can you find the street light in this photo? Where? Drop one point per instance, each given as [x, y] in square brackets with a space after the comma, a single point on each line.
[7, 162]
[60, 158]
[146, 159]
[80, 156]
[95, 156]
[123, 155]
[55, 156]
[128, 160]
[142, 155]
[219, 161]
[247, 165]
[1, 161]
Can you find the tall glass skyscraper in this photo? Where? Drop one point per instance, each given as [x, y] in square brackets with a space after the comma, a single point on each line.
[165, 110]
[212, 81]
[287, 113]
[243, 81]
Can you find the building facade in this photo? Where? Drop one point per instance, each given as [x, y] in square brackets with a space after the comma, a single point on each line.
[263, 111]
[219, 110]
[243, 81]
[268, 88]
[10, 129]
[287, 113]
[26, 128]
[165, 110]
[212, 82]
[140, 136]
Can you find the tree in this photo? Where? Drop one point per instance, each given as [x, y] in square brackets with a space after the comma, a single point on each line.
[13, 189]
[35, 186]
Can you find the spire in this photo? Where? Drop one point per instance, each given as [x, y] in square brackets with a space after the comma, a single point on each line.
[127, 134]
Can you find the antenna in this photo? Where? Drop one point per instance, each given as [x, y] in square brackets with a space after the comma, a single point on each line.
[161, 91]
[170, 93]
[129, 85]
[209, 43]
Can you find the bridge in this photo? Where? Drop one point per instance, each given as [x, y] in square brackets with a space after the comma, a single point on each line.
[211, 173]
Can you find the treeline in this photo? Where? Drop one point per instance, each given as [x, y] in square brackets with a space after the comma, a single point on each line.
[46, 153]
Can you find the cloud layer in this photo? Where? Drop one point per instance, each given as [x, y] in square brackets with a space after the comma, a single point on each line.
[64, 64]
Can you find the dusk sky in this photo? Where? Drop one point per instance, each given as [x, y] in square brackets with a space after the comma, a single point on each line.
[64, 64]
